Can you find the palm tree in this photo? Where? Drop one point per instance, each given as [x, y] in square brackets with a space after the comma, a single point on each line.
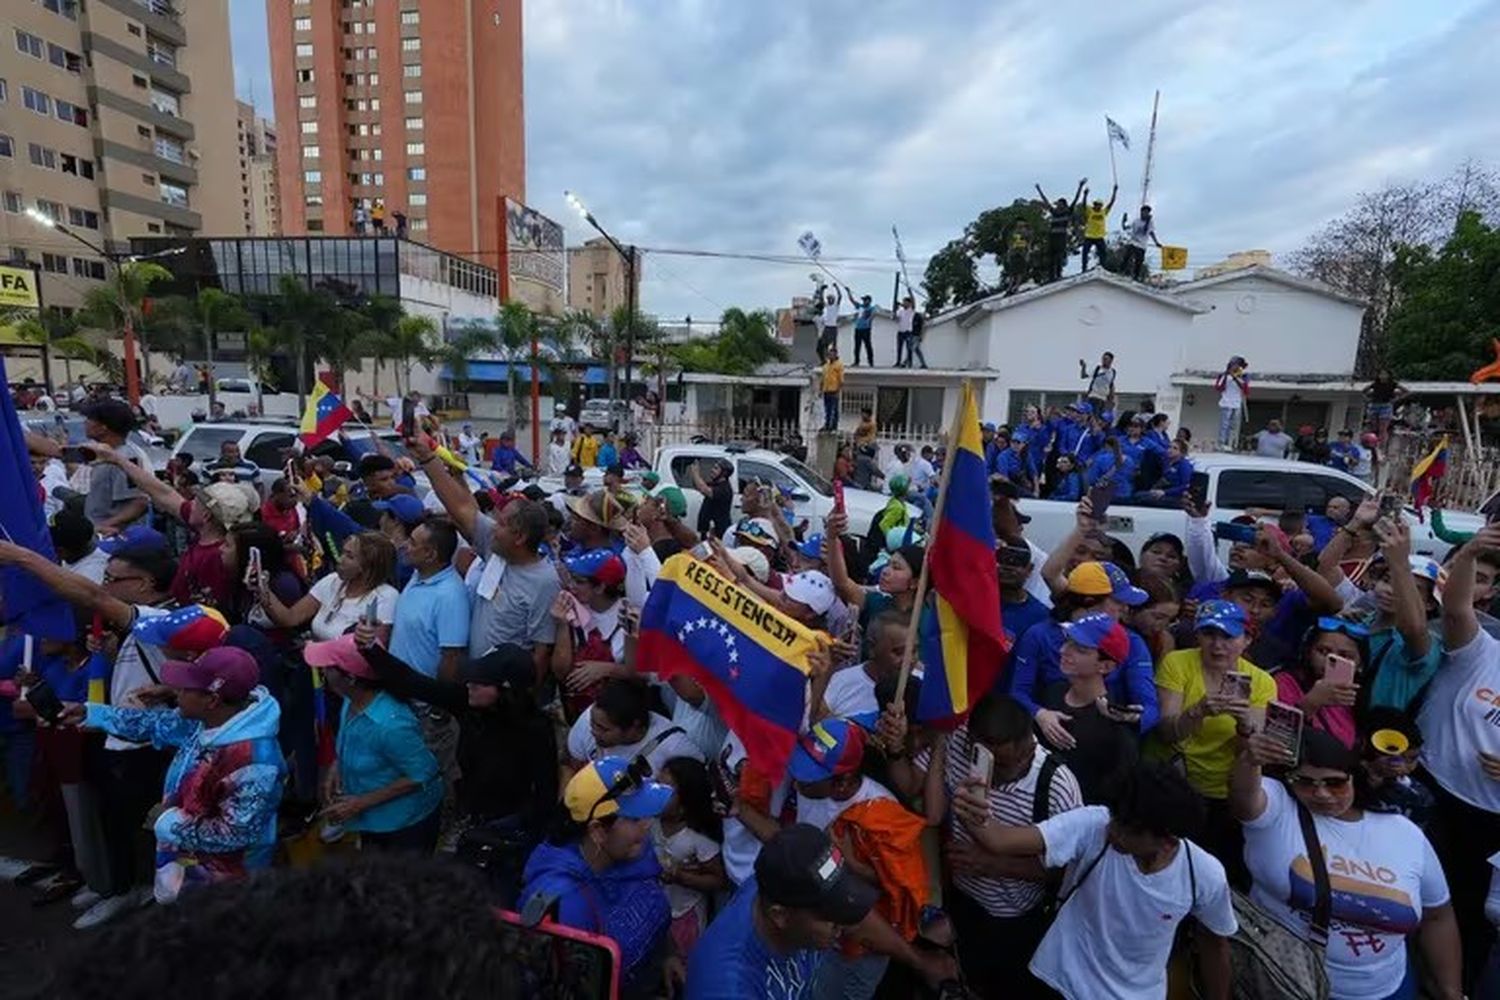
[123, 296]
[413, 341]
[382, 313]
[260, 345]
[345, 341]
[52, 330]
[218, 310]
[515, 330]
[301, 316]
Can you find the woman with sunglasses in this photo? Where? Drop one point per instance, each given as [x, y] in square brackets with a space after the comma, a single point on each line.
[1326, 698]
[1385, 880]
[597, 872]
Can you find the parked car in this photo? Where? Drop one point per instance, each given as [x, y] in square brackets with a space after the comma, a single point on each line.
[1232, 484]
[266, 442]
[248, 386]
[599, 413]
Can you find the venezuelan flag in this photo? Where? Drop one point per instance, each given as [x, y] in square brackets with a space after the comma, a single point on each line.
[325, 414]
[750, 658]
[963, 645]
[1426, 473]
[196, 628]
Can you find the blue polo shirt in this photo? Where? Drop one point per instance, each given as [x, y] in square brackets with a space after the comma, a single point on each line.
[431, 615]
[378, 746]
[1018, 618]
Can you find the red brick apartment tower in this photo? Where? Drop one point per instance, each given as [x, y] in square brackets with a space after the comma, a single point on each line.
[417, 103]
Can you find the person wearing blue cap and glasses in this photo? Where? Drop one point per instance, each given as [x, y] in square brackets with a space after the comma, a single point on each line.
[1203, 699]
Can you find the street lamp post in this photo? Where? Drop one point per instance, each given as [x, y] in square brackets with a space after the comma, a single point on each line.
[127, 322]
[629, 256]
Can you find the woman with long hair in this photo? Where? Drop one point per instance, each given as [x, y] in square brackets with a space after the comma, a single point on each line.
[1153, 619]
[275, 574]
[1315, 681]
[1386, 884]
[340, 600]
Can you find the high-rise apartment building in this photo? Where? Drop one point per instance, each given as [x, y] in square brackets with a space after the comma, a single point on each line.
[401, 106]
[597, 278]
[258, 183]
[117, 120]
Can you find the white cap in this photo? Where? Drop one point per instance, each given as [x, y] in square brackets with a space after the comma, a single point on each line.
[754, 560]
[811, 588]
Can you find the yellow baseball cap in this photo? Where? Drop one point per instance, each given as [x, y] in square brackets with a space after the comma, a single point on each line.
[588, 793]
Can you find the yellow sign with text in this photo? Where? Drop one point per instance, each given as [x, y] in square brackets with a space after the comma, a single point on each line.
[1173, 258]
[18, 287]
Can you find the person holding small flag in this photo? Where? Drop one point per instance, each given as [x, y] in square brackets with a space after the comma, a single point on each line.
[1138, 234]
[1096, 225]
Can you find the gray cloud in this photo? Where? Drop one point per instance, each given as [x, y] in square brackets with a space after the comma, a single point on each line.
[724, 125]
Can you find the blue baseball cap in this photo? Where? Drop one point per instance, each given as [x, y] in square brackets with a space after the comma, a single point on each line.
[988, 427]
[1100, 631]
[1224, 616]
[831, 747]
[812, 548]
[403, 507]
[136, 538]
[600, 565]
[1080, 407]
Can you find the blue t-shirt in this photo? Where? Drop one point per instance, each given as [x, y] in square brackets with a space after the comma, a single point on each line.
[1018, 618]
[431, 615]
[731, 962]
[864, 317]
[1036, 662]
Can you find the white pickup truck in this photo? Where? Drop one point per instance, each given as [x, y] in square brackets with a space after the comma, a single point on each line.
[1232, 484]
[811, 492]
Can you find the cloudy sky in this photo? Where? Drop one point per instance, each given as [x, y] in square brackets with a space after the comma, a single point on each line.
[730, 126]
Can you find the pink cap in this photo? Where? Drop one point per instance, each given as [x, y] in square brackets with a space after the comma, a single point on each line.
[228, 671]
[340, 653]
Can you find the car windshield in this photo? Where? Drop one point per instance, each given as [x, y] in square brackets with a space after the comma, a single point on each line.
[811, 478]
[204, 443]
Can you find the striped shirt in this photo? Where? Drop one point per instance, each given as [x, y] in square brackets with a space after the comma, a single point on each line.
[1010, 805]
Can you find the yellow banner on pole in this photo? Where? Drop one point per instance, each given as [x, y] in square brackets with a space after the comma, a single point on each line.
[1173, 258]
[18, 287]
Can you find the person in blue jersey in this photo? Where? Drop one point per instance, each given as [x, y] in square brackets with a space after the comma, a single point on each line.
[1069, 428]
[781, 925]
[1108, 467]
[1012, 464]
[508, 459]
[1176, 477]
[1067, 484]
[1133, 446]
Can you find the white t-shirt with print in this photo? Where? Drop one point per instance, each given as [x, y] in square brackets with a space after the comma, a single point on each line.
[686, 846]
[851, 692]
[582, 745]
[1113, 936]
[337, 614]
[1383, 873]
[1461, 718]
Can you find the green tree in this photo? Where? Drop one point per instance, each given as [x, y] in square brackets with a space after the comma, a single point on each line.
[382, 313]
[414, 341]
[951, 277]
[746, 340]
[124, 295]
[511, 338]
[299, 316]
[55, 333]
[1447, 304]
[261, 345]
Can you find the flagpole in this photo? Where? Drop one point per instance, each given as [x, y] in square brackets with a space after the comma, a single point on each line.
[937, 517]
[1114, 174]
[1150, 151]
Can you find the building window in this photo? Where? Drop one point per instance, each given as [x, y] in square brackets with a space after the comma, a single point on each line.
[7, 146]
[410, 18]
[169, 149]
[418, 199]
[67, 8]
[161, 54]
[4, 91]
[138, 81]
[54, 263]
[309, 128]
[414, 124]
[374, 104]
[88, 268]
[374, 79]
[41, 156]
[315, 225]
[411, 45]
[411, 70]
[416, 173]
[371, 54]
[149, 180]
[134, 29]
[30, 45]
[63, 59]
[143, 131]
[312, 177]
[304, 50]
[416, 149]
[307, 102]
[68, 112]
[69, 164]
[83, 217]
[313, 201]
[166, 102]
[413, 97]
[173, 194]
[302, 24]
[304, 76]
[36, 101]
[153, 227]
[13, 202]
[50, 209]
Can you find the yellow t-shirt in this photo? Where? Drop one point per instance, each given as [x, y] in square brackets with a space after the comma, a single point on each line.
[1208, 753]
[586, 451]
[1094, 221]
[833, 376]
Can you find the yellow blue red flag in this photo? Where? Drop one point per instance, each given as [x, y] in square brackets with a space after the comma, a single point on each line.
[1425, 474]
[325, 414]
[963, 644]
[750, 658]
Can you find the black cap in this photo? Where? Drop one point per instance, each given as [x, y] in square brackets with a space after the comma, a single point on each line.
[112, 413]
[1004, 488]
[573, 470]
[504, 666]
[1253, 578]
[801, 868]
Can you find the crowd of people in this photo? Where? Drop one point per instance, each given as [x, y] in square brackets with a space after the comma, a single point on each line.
[399, 664]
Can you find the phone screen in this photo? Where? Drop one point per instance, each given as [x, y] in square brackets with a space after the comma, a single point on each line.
[984, 764]
[1099, 497]
[1390, 505]
[1284, 723]
[1338, 669]
[838, 497]
[1237, 685]
[45, 701]
[408, 418]
[550, 960]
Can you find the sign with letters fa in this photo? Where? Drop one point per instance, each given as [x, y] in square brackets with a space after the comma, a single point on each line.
[18, 287]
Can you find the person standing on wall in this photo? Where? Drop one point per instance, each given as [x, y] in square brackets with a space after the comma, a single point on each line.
[864, 321]
[1233, 385]
[1095, 222]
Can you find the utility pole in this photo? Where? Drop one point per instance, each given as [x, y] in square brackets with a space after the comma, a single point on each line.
[1150, 151]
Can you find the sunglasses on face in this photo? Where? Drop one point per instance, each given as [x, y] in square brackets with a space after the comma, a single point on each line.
[1353, 630]
[1334, 783]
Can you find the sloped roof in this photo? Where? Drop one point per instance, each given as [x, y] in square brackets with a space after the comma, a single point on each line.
[969, 314]
[1267, 273]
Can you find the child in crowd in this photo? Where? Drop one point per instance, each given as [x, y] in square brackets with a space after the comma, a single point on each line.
[687, 837]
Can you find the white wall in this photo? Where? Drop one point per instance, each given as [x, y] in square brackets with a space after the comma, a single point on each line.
[1276, 327]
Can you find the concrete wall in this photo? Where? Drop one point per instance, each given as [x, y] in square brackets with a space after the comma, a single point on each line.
[1274, 326]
